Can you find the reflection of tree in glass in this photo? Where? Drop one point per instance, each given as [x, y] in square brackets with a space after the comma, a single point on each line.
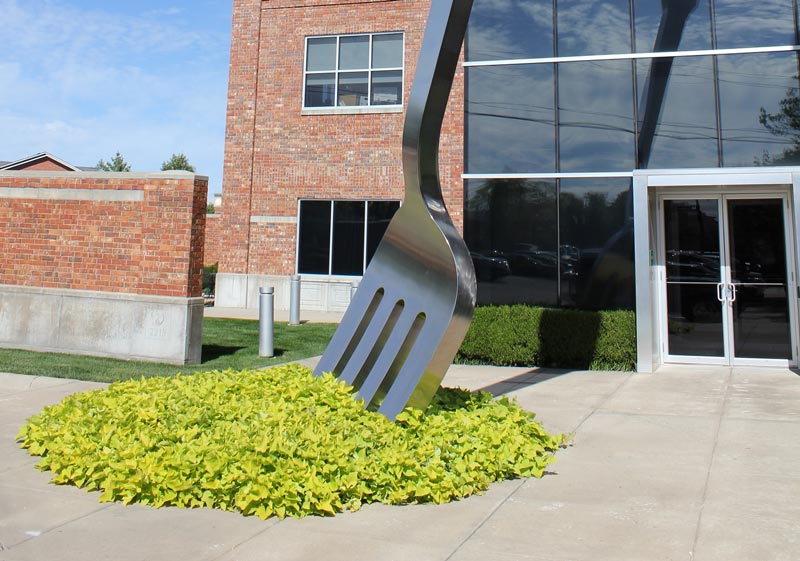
[784, 123]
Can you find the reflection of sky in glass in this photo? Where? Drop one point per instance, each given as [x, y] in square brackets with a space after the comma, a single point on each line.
[686, 134]
[696, 33]
[753, 23]
[596, 116]
[510, 119]
[592, 27]
[748, 83]
[509, 29]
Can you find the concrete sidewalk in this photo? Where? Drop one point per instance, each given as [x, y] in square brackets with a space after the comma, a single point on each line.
[685, 464]
[280, 315]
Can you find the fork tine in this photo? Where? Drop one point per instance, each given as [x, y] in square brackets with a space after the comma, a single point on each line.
[379, 327]
[352, 327]
[395, 350]
[410, 377]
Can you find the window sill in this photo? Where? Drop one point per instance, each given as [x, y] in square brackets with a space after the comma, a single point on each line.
[351, 110]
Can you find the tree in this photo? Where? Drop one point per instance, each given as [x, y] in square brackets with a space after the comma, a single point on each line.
[117, 163]
[177, 161]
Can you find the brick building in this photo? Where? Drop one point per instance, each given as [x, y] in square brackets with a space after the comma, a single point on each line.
[313, 145]
[636, 154]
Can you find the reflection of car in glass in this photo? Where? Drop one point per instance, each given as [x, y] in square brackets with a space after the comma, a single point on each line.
[490, 265]
[693, 276]
[527, 260]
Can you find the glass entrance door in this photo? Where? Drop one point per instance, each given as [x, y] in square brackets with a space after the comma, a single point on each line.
[726, 286]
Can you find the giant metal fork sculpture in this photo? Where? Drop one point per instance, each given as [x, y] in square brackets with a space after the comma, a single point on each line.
[415, 302]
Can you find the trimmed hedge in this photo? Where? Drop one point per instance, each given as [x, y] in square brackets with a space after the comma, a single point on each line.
[523, 335]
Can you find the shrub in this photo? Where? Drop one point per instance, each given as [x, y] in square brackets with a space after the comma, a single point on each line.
[522, 335]
[280, 442]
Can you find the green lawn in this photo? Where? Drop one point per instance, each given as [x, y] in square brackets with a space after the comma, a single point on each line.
[227, 343]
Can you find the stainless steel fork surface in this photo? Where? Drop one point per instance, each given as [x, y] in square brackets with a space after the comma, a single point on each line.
[415, 302]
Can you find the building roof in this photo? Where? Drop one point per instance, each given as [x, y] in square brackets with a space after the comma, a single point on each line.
[30, 161]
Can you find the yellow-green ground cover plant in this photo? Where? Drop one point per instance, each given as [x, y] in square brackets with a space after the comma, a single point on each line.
[280, 442]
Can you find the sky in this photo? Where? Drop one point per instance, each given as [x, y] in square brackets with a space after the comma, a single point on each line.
[83, 79]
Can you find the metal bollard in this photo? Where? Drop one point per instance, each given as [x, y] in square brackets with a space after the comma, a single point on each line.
[266, 320]
[353, 288]
[294, 300]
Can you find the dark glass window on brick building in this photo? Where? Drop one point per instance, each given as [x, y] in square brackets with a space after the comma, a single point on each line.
[354, 70]
[340, 237]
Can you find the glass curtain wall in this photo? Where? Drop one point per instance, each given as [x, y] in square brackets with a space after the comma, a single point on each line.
[564, 98]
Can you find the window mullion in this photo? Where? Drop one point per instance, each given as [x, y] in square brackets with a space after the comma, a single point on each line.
[366, 231]
[330, 242]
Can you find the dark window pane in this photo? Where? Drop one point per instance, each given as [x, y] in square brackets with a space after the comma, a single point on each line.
[387, 50]
[512, 233]
[759, 109]
[691, 238]
[753, 24]
[321, 54]
[694, 321]
[596, 116]
[315, 236]
[685, 25]
[757, 240]
[596, 252]
[354, 52]
[320, 90]
[387, 87]
[593, 27]
[348, 238]
[511, 29]
[353, 88]
[379, 214]
[682, 131]
[510, 119]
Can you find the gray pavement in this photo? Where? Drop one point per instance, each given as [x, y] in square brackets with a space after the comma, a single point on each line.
[689, 463]
[280, 315]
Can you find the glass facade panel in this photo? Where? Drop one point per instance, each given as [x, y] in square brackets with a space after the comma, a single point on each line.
[320, 90]
[596, 243]
[379, 214]
[685, 25]
[593, 27]
[348, 238]
[387, 50]
[759, 109]
[511, 228]
[511, 29]
[314, 235]
[596, 124]
[510, 119]
[744, 23]
[677, 114]
[321, 54]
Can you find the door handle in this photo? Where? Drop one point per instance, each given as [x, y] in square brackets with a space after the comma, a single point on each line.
[732, 293]
[720, 291]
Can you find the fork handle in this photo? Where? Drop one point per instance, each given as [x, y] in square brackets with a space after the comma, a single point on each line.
[433, 79]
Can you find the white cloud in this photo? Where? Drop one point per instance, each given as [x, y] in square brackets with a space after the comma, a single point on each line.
[83, 83]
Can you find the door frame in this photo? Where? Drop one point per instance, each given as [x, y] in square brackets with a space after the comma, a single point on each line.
[723, 194]
[648, 186]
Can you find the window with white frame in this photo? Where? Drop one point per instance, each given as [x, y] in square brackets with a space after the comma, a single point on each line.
[354, 70]
[336, 237]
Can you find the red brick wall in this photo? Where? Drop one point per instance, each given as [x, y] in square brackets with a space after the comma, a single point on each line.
[151, 246]
[213, 240]
[274, 155]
